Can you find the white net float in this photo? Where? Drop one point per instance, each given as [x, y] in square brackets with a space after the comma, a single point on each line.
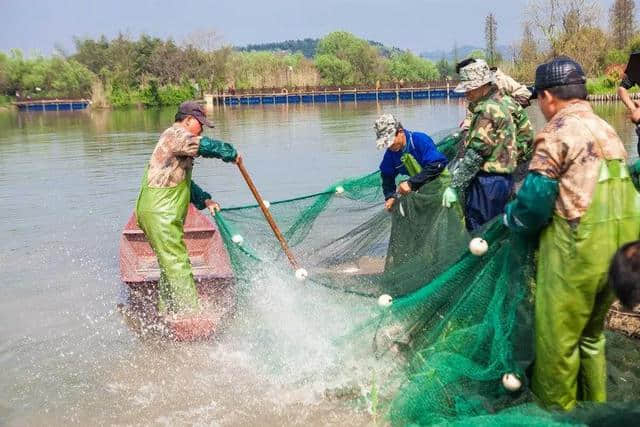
[478, 246]
[385, 300]
[301, 274]
[511, 382]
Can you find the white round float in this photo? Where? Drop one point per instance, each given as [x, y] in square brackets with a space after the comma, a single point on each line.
[385, 300]
[301, 274]
[478, 246]
[511, 382]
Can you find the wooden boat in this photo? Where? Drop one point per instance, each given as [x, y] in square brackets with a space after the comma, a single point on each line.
[211, 270]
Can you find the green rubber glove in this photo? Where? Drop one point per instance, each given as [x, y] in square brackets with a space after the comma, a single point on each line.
[449, 197]
[212, 148]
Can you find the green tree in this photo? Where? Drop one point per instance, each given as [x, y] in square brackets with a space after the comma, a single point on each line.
[143, 51]
[363, 58]
[94, 54]
[4, 76]
[16, 68]
[334, 71]
[445, 68]
[44, 77]
[412, 69]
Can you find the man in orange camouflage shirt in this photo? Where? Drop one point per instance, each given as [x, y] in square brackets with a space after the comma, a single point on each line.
[166, 191]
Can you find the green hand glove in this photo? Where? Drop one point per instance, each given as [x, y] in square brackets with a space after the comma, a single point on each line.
[449, 197]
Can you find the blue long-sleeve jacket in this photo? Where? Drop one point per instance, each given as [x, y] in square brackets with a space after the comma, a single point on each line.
[421, 146]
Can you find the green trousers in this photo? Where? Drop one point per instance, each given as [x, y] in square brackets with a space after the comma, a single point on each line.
[572, 293]
[161, 213]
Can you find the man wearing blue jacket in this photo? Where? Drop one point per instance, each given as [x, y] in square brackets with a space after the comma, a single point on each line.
[407, 153]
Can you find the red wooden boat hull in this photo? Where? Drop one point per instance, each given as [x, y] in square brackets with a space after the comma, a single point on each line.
[211, 270]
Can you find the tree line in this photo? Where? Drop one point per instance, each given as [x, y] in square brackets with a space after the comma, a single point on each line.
[572, 27]
[153, 72]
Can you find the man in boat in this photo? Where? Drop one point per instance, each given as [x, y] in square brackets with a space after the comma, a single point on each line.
[166, 191]
[407, 153]
[489, 152]
[579, 198]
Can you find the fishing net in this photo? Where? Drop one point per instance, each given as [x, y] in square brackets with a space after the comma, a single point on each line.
[458, 322]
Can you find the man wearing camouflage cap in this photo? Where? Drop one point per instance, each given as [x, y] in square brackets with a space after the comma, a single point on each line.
[518, 93]
[407, 153]
[164, 199]
[490, 153]
[579, 198]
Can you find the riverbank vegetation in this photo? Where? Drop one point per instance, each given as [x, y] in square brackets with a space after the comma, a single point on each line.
[573, 28]
[153, 72]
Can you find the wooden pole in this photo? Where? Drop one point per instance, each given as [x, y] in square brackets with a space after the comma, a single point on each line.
[267, 215]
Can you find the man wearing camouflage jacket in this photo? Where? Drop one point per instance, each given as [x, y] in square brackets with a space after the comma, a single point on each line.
[520, 94]
[484, 173]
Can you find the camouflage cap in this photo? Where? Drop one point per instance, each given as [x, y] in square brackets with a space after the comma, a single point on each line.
[473, 76]
[386, 127]
[192, 108]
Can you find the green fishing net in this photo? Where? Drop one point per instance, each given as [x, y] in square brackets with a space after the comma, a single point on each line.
[458, 322]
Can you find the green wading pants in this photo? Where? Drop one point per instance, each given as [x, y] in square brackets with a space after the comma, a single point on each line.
[161, 213]
[572, 293]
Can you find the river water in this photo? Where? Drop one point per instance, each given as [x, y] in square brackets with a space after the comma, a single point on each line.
[68, 183]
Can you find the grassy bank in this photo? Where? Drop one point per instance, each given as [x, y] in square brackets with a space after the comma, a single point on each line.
[605, 85]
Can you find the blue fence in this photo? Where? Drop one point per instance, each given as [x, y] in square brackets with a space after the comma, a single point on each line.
[52, 105]
[339, 96]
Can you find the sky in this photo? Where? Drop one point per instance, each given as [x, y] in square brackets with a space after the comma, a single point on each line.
[38, 26]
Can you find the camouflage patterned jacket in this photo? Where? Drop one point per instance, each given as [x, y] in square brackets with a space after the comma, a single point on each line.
[172, 158]
[519, 95]
[507, 85]
[492, 134]
[490, 144]
[524, 128]
[570, 149]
